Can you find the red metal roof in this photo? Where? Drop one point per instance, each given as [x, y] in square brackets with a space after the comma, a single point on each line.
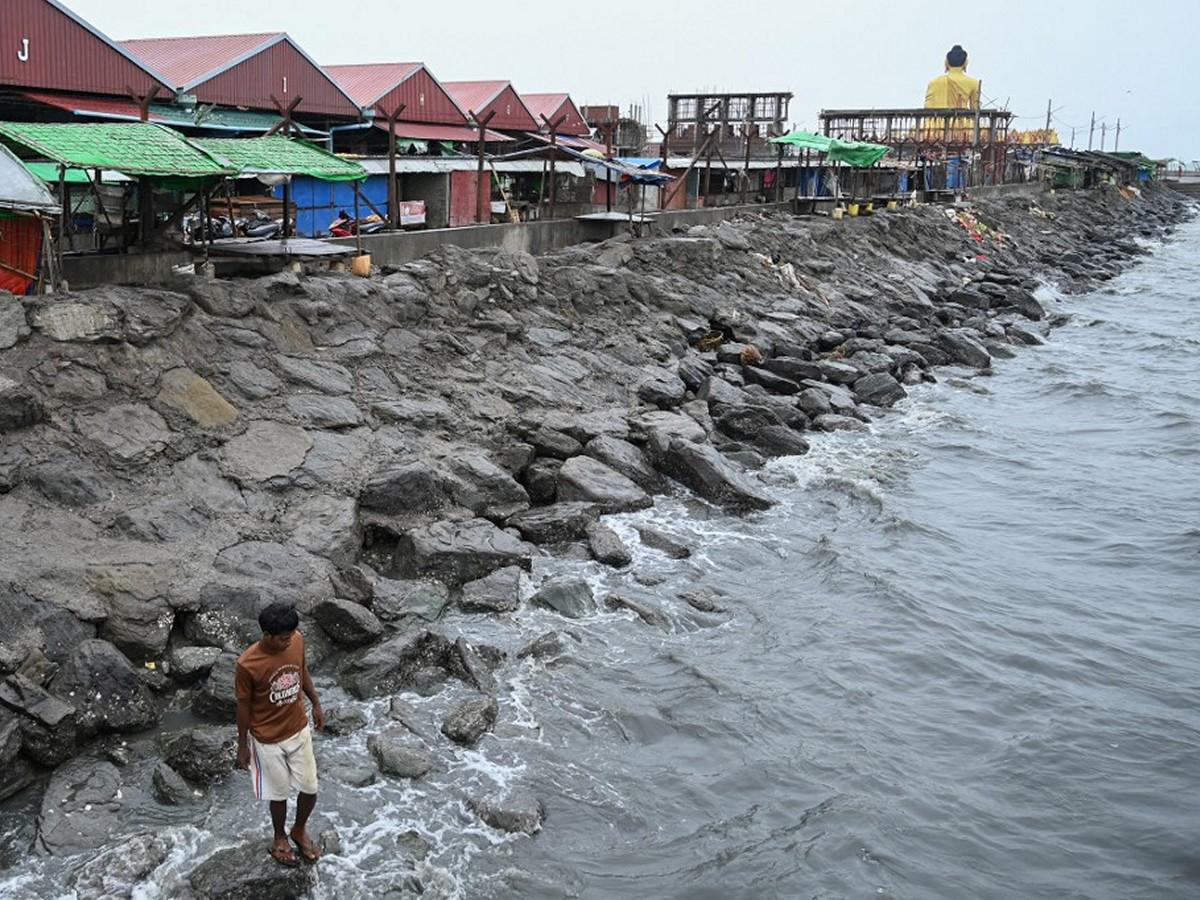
[420, 132]
[367, 83]
[188, 61]
[83, 105]
[482, 97]
[47, 46]
[554, 105]
[386, 86]
[245, 70]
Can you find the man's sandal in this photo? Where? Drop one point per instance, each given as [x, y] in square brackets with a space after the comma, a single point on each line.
[310, 851]
[284, 856]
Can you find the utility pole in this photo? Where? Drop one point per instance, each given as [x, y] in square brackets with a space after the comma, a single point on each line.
[1092, 129]
[1049, 104]
[1103, 131]
[1072, 138]
[1117, 142]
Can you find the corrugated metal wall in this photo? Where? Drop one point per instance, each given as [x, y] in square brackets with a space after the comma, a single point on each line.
[425, 101]
[511, 113]
[60, 53]
[283, 71]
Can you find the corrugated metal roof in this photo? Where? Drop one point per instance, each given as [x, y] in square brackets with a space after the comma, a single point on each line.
[441, 165]
[48, 46]
[135, 149]
[554, 105]
[188, 61]
[207, 117]
[474, 95]
[544, 104]
[278, 155]
[246, 69]
[367, 83]
[419, 131]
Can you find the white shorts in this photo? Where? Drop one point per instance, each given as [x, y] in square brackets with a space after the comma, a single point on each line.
[277, 768]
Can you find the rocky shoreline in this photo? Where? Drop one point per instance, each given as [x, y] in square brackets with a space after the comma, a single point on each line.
[381, 451]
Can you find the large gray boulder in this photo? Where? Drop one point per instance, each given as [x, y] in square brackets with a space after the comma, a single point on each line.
[395, 756]
[963, 347]
[703, 469]
[406, 603]
[521, 814]
[247, 873]
[607, 547]
[563, 521]
[217, 699]
[485, 488]
[348, 623]
[47, 723]
[170, 789]
[624, 457]
[570, 597]
[203, 754]
[588, 480]
[879, 389]
[468, 721]
[457, 552]
[499, 592]
[107, 692]
[81, 801]
[394, 664]
[661, 388]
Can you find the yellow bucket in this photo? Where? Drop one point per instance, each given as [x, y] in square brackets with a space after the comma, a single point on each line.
[892, 204]
[852, 209]
[838, 214]
[361, 265]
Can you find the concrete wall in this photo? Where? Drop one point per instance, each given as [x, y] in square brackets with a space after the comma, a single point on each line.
[124, 268]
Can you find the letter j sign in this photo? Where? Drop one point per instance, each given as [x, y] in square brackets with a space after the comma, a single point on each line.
[23, 53]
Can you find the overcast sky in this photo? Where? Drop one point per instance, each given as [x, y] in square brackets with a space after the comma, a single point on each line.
[1132, 61]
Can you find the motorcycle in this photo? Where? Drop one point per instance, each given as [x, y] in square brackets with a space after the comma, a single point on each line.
[346, 226]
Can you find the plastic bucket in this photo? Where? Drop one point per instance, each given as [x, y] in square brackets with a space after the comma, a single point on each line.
[838, 213]
[361, 265]
[852, 209]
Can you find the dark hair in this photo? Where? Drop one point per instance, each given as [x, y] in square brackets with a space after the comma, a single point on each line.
[957, 56]
[279, 618]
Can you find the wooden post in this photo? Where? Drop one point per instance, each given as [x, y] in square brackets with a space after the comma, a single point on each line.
[553, 126]
[483, 202]
[746, 168]
[393, 194]
[284, 123]
[62, 219]
[357, 223]
[608, 152]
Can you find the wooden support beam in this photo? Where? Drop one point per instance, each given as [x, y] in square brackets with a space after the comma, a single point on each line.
[554, 126]
[393, 215]
[483, 206]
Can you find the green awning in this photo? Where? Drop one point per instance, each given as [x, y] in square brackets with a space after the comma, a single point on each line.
[279, 155]
[48, 172]
[855, 153]
[137, 149]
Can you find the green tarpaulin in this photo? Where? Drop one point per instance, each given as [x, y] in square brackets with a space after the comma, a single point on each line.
[140, 150]
[855, 153]
[278, 155]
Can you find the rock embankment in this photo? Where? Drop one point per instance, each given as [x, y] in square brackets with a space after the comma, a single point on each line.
[379, 450]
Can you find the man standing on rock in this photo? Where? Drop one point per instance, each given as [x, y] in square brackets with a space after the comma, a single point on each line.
[274, 740]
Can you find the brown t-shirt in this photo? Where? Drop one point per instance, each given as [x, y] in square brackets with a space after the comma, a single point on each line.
[272, 683]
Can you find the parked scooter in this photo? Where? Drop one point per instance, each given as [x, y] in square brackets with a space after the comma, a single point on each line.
[346, 226]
